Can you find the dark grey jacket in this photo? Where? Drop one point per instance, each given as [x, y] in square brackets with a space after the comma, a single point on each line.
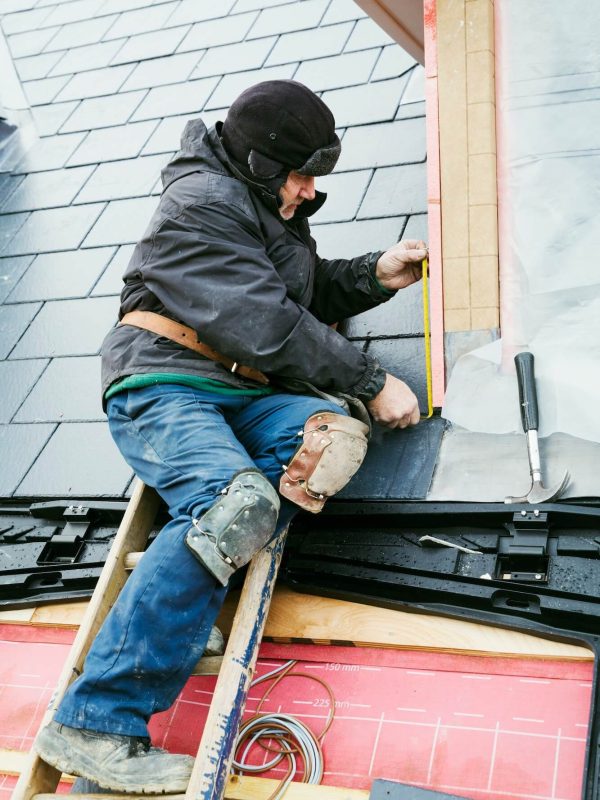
[218, 257]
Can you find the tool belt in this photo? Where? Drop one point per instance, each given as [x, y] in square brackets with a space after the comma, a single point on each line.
[183, 335]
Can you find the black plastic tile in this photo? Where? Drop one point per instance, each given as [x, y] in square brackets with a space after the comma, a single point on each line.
[235, 57]
[122, 222]
[75, 34]
[142, 20]
[368, 145]
[112, 144]
[94, 466]
[11, 270]
[116, 179]
[33, 67]
[50, 152]
[54, 276]
[111, 281]
[396, 190]
[345, 192]
[151, 45]
[14, 321]
[328, 41]
[19, 447]
[95, 83]
[342, 11]
[230, 86]
[92, 56]
[404, 358]
[67, 328]
[193, 11]
[9, 225]
[68, 391]
[177, 98]
[103, 112]
[350, 239]
[47, 189]
[371, 102]
[30, 43]
[335, 72]
[53, 229]
[160, 71]
[215, 32]
[45, 90]
[278, 20]
[48, 119]
[17, 379]
[393, 61]
[367, 33]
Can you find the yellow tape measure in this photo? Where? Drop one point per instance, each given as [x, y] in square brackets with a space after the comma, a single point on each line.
[427, 333]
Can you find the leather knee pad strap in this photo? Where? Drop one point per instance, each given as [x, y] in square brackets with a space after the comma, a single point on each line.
[333, 449]
[237, 526]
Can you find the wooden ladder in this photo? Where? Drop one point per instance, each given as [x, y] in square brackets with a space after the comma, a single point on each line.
[212, 765]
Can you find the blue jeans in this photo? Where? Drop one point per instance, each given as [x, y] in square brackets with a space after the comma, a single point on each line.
[187, 444]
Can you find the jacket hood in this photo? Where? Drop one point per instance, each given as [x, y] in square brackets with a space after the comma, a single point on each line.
[202, 151]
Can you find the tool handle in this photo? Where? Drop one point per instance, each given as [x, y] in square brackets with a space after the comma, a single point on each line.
[527, 391]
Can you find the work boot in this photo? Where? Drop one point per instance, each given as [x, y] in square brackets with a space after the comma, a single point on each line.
[122, 763]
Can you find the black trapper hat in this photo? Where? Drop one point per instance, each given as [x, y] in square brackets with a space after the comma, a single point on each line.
[278, 126]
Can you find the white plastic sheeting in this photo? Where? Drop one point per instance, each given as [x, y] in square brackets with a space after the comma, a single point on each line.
[548, 102]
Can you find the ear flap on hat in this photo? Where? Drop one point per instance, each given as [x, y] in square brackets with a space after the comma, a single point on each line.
[262, 166]
[323, 160]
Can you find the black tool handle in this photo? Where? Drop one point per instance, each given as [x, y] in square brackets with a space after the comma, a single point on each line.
[527, 392]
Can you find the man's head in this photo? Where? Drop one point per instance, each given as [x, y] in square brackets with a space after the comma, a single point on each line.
[282, 135]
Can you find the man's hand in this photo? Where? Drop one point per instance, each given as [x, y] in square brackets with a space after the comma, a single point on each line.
[395, 406]
[400, 266]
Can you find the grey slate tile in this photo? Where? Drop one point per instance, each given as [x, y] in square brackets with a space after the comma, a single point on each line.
[122, 222]
[118, 6]
[411, 110]
[117, 179]
[342, 11]
[151, 45]
[251, 5]
[111, 281]
[92, 56]
[281, 19]
[50, 189]
[344, 194]
[94, 467]
[53, 229]
[235, 57]
[67, 328]
[396, 190]
[30, 43]
[142, 20]
[14, 321]
[350, 239]
[50, 152]
[103, 112]
[9, 6]
[371, 102]
[367, 33]
[415, 91]
[337, 71]
[159, 71]
[54, 276]
[75, 34]
[11, 270]
[416, 228]
[402, 314]
[112, 144]
[193, 11]
[73, 11]
[33, 67]
[8, 184]
[214, 32]
[393, 61]
[368, 145]
[167, 135]
[176, 98]
[230, 86]
[9, 225]
[19, 447]
[48, 119]
[69, 390]
[16, 379]
[24, 20]
[45, 90]
[95, 83]
[318, 42]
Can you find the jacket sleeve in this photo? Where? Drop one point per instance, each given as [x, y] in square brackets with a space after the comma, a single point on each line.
[208, 266]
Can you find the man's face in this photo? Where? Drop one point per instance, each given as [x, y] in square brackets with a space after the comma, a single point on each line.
[294, 191]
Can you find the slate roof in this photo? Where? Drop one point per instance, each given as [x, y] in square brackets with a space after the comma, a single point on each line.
[111, 84]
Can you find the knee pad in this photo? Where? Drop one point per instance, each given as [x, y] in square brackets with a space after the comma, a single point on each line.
[333, 449]
[237, 526]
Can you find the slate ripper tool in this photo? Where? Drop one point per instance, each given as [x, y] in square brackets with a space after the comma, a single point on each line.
[530, 418]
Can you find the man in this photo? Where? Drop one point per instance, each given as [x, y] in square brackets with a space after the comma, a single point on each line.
[224, 382]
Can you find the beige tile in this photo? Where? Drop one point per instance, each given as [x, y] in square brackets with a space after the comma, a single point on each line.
[480, 77]
[479, 26]
[457, 320]
[483, 230]
[484, 282]
[483, 318]
[456, 283]
[481, 121]
[482, 180]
